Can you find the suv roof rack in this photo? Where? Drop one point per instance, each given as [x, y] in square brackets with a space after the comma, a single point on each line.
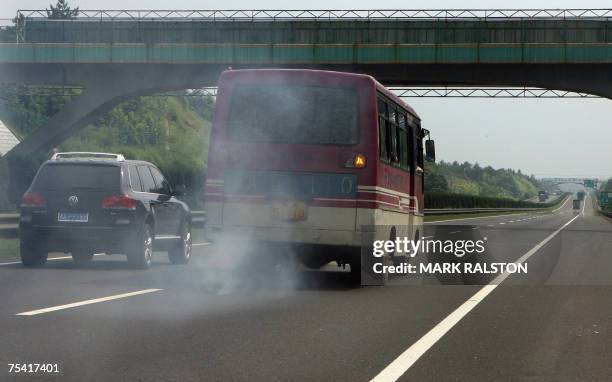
[83, 154]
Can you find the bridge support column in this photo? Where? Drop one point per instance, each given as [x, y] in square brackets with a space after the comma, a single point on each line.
[82, 110]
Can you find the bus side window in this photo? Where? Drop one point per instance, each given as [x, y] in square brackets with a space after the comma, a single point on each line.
[382, 130]
[412, 145]
[393, 152]
[404, 148]
[419, 146]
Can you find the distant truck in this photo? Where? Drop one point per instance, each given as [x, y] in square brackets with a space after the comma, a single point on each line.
[542, 196]
[576, 204]
[581, 195]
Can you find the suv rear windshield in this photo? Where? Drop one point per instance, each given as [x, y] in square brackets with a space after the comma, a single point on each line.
[78, 176]
[294, 114]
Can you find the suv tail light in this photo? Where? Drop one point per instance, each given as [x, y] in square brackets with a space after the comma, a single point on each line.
[119, 202]
[32, 199]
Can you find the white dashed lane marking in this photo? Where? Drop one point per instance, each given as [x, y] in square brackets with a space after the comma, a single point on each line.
[49, 259]
[86, 302]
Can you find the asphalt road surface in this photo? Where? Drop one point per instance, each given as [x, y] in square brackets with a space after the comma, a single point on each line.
[201, 322]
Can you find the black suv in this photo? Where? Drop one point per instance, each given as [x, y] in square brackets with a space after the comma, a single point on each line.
[86, 203]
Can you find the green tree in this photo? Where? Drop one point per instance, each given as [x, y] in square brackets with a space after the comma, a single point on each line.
[436, 183]
[467, 179]
[62, 10]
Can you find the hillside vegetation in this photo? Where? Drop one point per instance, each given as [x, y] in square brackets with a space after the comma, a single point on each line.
[472, 179]
[170, 131]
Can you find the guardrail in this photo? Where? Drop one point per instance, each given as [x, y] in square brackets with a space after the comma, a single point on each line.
[459, 211]
[9, 223]
[606, 213]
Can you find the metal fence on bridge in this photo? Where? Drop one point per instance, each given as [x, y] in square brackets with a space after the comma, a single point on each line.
[402, 92]
[320, 26]
[343, 14]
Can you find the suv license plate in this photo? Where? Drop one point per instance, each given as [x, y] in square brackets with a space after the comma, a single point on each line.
[72, 217]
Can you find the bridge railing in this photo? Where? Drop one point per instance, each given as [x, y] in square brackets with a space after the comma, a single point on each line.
[402, 92]
[350, 14]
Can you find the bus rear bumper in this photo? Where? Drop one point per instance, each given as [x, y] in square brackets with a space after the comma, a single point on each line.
[219, 234]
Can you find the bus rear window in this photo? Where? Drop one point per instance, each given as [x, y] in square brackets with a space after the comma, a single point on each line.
[294, 114]
[58, 177]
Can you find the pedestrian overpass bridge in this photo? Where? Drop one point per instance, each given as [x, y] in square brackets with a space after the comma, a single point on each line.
[115, 55]
[586, 182]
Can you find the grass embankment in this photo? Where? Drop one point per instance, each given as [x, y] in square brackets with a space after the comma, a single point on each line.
[9, 250]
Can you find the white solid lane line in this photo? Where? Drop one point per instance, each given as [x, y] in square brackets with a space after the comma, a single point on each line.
[11, 263]
[70, 257]
[401, 364]
[49, 259]
[86, 302]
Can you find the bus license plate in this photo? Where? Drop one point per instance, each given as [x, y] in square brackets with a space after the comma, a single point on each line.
[72, 217]
[290, 211]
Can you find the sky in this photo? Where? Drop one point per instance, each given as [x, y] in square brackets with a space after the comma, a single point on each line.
[544, 137]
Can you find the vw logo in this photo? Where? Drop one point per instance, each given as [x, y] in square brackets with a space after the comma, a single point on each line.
[73, 200]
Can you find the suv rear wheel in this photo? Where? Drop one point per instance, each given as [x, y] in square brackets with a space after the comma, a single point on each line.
[32, 254]
[140, 255]
[181, 252]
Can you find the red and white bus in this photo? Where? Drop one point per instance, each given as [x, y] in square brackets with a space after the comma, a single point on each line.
[308, 158]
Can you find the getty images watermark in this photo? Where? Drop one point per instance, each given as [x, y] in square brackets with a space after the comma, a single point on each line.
[451, 254]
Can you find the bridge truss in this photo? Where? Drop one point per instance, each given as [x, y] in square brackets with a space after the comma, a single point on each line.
[344, 14]
[402, 92]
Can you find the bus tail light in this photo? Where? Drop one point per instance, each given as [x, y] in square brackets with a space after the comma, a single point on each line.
[32, 199]
[355, 160]
[359, 161]
[119, 202]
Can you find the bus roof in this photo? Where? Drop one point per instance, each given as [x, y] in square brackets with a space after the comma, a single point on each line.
[257, 73]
